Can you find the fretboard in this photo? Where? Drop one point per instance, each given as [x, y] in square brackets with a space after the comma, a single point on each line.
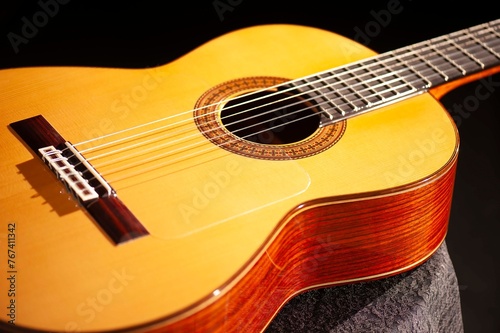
[359, 87]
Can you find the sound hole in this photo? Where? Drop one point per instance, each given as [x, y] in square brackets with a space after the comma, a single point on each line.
[266, 124]
[270, 117]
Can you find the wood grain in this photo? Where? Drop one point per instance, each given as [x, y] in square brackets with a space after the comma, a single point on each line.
[118, 222]
[377, 201]
[334, 241]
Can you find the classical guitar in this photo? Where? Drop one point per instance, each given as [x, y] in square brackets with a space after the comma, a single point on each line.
[201, 195]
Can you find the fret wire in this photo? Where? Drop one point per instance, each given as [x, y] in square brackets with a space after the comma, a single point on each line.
[381, 85]
[475, 47]
[489, 39]
[482, 44]
[388, 90]
[380, 103]
[383, 63]
[398, 95]
[343, 71]
[395, 96]
[485, 32]
[445, 77]
[352, 112]
[342, 96]
[398, 68]
[318, 91]
[371, 89]
[349, 71]
[404, 67]
[358, 92]
[394, 80]
[478, 51]
[494, 44]
[451, 61]
[408, 64]
[403, 78]
[334, 90]
[433, 46]
[458, 55]
[446, 68]
[468, 54]
[492, 25]
[423, 46]
[359, 98]
[363, 84]
[465, 36]
[437, 43]
[440, 39]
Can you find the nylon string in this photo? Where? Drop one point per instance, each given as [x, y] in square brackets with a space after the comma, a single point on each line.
[348, 69]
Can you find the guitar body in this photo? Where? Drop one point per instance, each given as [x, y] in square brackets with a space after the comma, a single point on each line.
[233, 235]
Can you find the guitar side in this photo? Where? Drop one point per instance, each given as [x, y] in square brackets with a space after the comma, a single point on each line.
[374, 204]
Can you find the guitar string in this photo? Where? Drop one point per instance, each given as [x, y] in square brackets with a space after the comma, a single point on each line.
[488, 26]
[170, 161]
[141, 153]
[240, 129]
[384, 84]
[387, 83]
[195, 135]
[185, 156]
[433, 73]
[277, 86]
[484, 27]
[211, 147]
[257, 91]
[186, 138]
[156, 166]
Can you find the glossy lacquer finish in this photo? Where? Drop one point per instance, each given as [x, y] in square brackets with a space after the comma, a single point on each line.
[334, 241]
[108, 211]
[371, 203]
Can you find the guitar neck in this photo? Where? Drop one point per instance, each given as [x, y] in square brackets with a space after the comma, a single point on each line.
[362, 86]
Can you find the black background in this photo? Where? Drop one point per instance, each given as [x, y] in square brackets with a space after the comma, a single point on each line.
[148, 33]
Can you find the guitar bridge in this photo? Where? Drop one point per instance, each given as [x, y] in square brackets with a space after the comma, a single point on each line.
[72, 175]
[86, 185]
